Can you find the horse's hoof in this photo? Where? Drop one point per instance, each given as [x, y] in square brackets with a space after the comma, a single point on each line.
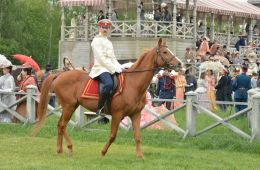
[59, 151]
[102, 154]
[141, 156]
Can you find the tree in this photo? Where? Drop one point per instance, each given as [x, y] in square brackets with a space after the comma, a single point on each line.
[25, 28]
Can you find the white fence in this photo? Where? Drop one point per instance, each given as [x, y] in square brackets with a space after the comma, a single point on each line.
[191, 104]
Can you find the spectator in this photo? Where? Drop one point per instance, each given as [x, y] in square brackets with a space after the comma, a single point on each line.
[73, 24]
[142, 12]
[240, 42]
[165, 14]
[190, 81]
[100, 15]
[45, 75]
[222, 89]
[180, 82]
[165, 88]
[241, 84]
[204, 48]
[211, 82]
[201, 28]
[114, 16]
[255, 31]
[214, 47]
[202, 90]
[254, 79]
[157, 14]
[7, 84]
[236, 59]
[26, 78]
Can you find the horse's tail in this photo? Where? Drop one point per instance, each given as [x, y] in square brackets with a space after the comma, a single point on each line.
[43, 104]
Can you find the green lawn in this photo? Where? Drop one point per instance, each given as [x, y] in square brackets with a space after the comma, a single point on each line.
[218, 149]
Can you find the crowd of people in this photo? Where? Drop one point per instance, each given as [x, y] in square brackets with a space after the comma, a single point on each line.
[230, 82]
[9, 83]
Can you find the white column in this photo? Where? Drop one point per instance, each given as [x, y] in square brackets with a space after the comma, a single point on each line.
[244, 26]
[205, 24]
[195, 22]
[250, 35]
[62, 34]
[228, 31]
[212, 29]
[174, 21]
[138, 19]
[86, 24]
[110, 7]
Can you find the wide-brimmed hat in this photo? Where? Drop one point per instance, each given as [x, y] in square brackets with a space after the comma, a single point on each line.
[5, 63]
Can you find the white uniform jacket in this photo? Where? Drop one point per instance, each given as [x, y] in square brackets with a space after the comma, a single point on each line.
[104, 57]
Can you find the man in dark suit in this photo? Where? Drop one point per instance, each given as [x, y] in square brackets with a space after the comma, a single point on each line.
[165, 88]
[222, 89]
[241, 84]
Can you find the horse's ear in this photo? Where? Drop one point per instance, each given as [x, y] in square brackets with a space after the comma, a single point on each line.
[160, 42]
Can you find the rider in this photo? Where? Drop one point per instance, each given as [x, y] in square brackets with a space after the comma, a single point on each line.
[105, 62]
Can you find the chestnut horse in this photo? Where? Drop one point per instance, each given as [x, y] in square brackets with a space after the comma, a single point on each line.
[69, 85]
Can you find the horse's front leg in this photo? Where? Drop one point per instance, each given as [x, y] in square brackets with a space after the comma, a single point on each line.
[137, 133]
[113, 132]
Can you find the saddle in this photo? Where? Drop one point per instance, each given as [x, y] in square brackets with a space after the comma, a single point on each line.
[93, 87]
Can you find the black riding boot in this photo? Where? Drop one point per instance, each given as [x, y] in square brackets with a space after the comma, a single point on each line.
[102, 100]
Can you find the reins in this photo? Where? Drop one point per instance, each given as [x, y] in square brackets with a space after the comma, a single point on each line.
[155, 62]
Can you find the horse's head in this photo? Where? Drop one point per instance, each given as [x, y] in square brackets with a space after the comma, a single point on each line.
[164, 56]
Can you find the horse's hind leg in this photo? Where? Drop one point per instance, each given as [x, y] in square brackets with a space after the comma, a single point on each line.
[137, 134]
[62, 124]
[113, 132]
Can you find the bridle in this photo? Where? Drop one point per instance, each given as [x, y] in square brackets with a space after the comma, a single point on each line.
[156, 67]
[167, 63]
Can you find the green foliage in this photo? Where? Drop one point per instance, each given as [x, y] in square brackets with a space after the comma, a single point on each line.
[25, 28]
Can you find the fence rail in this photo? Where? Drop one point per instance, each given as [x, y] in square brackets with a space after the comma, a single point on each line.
[191, 104]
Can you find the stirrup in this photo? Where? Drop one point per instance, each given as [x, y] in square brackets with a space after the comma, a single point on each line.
[100, 113]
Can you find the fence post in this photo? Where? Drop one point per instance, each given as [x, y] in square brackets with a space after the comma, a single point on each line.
[30, 103]
[255, 123]
[190, 113]
[79, 116]
[250, 94]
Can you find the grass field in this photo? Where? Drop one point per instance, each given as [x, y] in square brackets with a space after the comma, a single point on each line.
[218, 149]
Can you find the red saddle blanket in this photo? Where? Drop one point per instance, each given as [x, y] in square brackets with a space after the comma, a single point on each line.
[91, 88]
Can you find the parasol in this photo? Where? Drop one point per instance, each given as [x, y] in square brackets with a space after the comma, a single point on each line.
[209, 65]
[26, 59]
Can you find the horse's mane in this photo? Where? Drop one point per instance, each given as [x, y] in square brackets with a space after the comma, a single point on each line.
[140, 59]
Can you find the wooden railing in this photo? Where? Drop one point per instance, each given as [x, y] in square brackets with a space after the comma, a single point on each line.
[191, 104]
[129, 29]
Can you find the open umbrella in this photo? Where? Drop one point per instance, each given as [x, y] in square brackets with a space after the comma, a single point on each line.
[26, 59]
[209, 65]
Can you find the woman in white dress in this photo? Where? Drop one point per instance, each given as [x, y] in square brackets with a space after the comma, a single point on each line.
[7, 84]
[202, 90]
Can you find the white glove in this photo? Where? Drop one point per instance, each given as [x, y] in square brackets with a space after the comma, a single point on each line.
[122, 67]
[191, 84]
[118, 70]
